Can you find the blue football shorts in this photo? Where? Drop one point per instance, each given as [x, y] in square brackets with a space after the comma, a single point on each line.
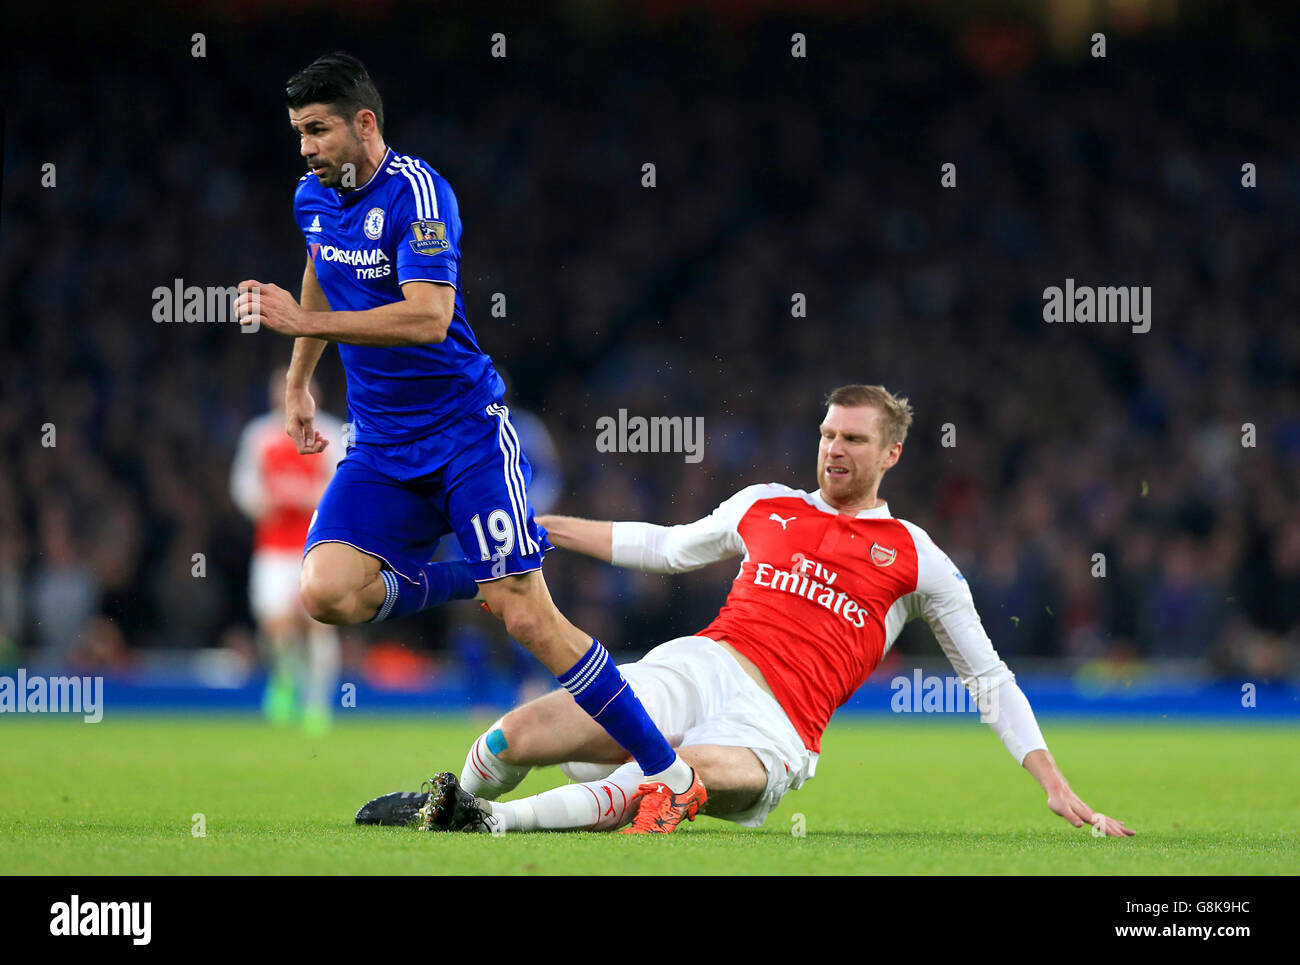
[397, 501]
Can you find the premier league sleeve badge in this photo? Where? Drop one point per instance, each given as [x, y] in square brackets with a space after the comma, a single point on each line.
[430, 238]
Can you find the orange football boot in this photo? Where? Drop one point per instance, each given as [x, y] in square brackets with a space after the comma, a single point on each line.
[662, 810]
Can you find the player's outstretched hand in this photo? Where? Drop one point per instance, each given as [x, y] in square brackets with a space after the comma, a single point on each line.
[300, 422]
[259, 303]
[1070, 806]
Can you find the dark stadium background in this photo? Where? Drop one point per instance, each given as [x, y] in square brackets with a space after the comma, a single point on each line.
[776, 175]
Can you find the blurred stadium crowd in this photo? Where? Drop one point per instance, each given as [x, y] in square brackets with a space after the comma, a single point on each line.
[775, 175]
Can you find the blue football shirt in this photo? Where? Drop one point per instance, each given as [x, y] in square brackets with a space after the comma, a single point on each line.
[402, 225]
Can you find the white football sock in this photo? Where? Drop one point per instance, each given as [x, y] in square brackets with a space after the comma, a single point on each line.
[485, 775]
[678, 776]
[595, 806]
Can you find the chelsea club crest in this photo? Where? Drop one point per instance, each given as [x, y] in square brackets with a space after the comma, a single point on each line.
[374, 223]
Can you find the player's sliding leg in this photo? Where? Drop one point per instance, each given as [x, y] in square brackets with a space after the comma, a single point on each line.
[341, 585]
[486, 773]
[603, 805]
[734, 775]
[585, 669]
[549, 730]
[734, 771]
[599, 806]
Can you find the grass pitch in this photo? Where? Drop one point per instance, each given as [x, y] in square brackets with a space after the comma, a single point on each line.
[896, 796]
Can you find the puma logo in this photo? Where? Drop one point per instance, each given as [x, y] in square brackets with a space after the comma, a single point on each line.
[609, 794]
[780, 520]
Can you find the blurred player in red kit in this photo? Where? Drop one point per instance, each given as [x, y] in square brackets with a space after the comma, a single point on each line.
[278, 489]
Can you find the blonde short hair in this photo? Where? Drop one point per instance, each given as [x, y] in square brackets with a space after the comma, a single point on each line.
[894, 410]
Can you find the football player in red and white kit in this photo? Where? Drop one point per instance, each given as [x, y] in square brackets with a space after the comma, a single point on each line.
[827, 581]
[278, 489]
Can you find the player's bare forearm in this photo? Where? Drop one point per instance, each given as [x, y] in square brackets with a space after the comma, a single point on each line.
[299, 406]
[589, 536]
[423, 315]
[398, 323]
[1062, 800]
[306, 353]
[1040, 764]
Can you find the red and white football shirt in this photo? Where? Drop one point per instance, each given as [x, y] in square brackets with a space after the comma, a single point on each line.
[820, 595]
[278, 487]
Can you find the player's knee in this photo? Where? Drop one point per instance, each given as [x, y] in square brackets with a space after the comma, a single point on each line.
[736, 769]
[326, 600]
[516, 732]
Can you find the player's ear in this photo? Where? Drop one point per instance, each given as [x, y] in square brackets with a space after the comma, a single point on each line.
[364, 123]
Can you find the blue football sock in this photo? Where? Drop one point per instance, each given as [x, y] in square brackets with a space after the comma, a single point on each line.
[602, 692]
[439, 582]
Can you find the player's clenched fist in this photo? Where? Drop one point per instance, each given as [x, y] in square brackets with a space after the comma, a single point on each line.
[261, 304]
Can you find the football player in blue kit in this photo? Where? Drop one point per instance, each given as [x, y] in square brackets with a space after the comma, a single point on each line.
[431, 450]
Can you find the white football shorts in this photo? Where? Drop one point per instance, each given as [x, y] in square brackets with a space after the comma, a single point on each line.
[696, 693]
[273, 585]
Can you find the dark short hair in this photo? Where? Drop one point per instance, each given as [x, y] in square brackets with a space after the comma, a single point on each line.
[340, 81]
[894, 410]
